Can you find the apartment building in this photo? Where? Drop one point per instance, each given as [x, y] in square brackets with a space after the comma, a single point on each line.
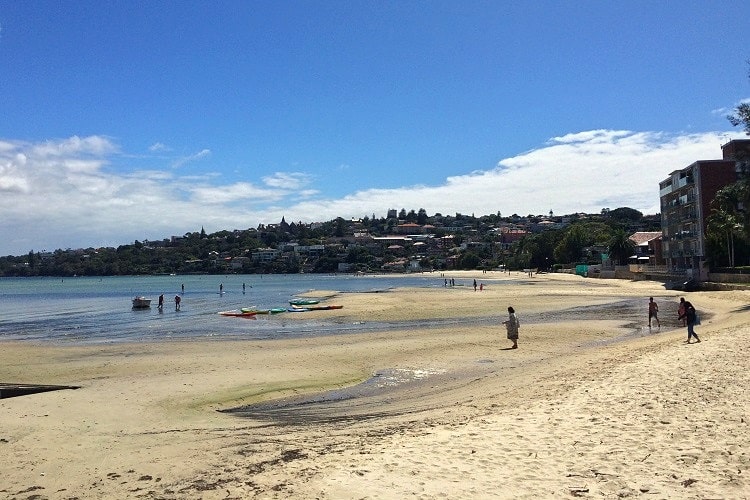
[686, 197]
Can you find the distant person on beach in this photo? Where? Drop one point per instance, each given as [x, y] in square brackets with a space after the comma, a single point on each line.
[475, 285]
[177, 301]
[221, 288]
[690, 318]
[653, 312]
[183, 288]
[161, 301]
[512, 325]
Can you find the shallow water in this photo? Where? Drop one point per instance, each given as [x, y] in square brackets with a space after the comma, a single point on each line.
[94, 309]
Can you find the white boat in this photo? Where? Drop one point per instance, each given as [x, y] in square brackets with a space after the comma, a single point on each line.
[141, 303]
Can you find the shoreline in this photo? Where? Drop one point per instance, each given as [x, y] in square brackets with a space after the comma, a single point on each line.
[146, 421]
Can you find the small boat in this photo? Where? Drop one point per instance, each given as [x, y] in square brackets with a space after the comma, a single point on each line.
[313, 307]
[274, 310]
[141, 303]
[239, 314]
[303, 302]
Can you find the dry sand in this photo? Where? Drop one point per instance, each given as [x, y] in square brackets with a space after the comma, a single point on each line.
[593, 404]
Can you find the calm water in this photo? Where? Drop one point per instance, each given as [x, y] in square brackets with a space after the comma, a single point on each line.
[93, 309]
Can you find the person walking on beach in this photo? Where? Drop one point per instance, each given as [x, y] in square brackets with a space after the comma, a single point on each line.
[653, 312]
[512, 325]
[681, 312]
[690, 318]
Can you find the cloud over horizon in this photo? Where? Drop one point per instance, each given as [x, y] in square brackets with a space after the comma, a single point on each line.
[80, 192]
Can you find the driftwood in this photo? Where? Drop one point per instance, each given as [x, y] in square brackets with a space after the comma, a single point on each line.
[15, 390]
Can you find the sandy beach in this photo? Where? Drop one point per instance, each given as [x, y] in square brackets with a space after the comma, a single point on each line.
[593, 404]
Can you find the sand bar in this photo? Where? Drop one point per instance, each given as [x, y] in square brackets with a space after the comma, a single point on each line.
[593, 404]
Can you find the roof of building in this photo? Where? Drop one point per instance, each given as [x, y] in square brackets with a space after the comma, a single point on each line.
[643, 237]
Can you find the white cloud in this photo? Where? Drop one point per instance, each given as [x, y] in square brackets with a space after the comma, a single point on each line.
[58, 194]
[730, 111]
[287, 180]
[240, 191]
[158, 147]
[181, 162]
[582, 172]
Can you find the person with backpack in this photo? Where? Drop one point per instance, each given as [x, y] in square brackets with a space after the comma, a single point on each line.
[690, 318]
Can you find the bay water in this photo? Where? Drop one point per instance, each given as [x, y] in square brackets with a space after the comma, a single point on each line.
[99, 309]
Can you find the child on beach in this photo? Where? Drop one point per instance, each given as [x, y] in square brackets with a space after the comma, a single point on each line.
[653, 312]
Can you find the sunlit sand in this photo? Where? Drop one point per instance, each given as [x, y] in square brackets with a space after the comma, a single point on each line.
[592, 404]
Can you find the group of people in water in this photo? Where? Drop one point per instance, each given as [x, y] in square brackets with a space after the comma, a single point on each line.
[686, 313]
[177, 300]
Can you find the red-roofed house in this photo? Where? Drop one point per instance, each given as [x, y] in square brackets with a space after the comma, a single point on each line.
[647, 248]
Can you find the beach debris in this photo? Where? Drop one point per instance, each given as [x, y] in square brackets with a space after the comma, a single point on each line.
[688, 482]
[14, 390]
[577, 491]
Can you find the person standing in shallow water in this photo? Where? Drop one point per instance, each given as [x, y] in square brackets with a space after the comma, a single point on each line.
[512, 325]
[653, 312]
[690, 318]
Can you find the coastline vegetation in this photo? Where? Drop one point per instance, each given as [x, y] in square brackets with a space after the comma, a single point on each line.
[399, 243]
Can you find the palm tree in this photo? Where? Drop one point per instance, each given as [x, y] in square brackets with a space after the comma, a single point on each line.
[724, 225]
[621, 247]
[725, 221]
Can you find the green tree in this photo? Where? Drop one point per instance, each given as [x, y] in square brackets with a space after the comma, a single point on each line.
[725, 221]
[741, 114]
[620, 247]
[469, 260]
[625, 214]
[570, 248]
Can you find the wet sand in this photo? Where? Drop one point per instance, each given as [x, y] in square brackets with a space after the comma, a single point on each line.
[592, 404]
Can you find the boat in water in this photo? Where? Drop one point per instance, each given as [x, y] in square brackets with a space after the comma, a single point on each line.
[141, 303]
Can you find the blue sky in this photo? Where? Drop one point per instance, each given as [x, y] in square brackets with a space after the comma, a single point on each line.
[140, 120]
